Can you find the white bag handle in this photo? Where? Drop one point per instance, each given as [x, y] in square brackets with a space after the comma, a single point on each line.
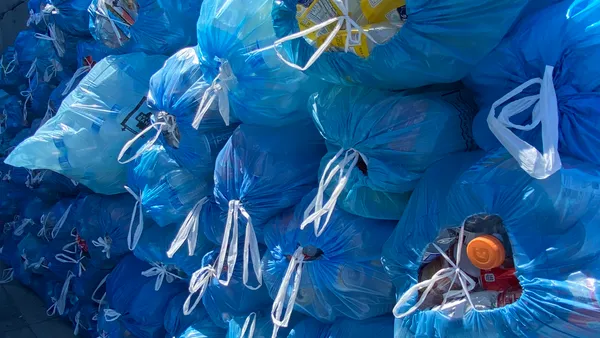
[545, 111]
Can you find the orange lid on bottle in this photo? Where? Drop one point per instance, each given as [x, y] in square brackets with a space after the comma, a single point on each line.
[486, 252]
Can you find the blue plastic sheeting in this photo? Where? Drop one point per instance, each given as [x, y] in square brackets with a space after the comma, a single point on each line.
[51, 224]
[203, 329]
[347, 252]
[566, 37]
[71, 16]
[83, 140]
[551, 224]
[344, 328]
[234, 37]
[168, 191]
[153, 245]
[225, 302]
[11, 116]
[10, 78]
[103, 222]
[151, 26]
[176, 91]
[429, 47]
[133, 295]
[263, 325]
[393, 137]
[176, 322]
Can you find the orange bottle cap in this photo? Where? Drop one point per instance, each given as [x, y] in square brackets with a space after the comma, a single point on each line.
[486, 252]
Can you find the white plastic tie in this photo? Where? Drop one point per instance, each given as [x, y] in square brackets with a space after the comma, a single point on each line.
[44, 229]
[51, 311]
[32, 69]
[545, 112]
[167, 125]
[32, 180]
[104, 243]
[198, 284]
[101, 11]
[55, 36]
[61, 222]
[10, 67]
[52, 70]
[132, 242]
[7, 176]
[35, 18]
[188, 230]
[340, 21]
[21, 228]
[316, 210]
[48, 115]
[70, 260]
[100, 301]
[80, 71]
[28, 95]
[160, 271]
[229, 247]
[294, 268]
[111, 315]
[62, 300]
[219, 90]
[37, 265]
[249, 326]
[77, 323]
[466, 282]
[7, 275]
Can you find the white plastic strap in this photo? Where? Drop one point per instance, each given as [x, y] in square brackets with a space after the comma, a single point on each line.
[111, 315]
[72, 244]
[62, 300]
[466, 282]
[188, 230]
[77, 320]
[167, 125]
[34, 17]
[250, 321]
[545, 111]
[160, 271]
[7, 275]
[104, 243]
[70, 260]
[28, 95]
[139, 229]
[103, 334]
[218, 89]
[80, 71]
[38, 265]
[10, 67]
[48, 115]
[43, 229]
[61, 222]
[51, 311]
[295, 267]
[316, 210]
[93, 296]
[32, 69]
[21, 228]
[52, 70]
[7, 176]
[339, 21]
[198, 283]
[55, 36]
[229, 247]
[101, 11]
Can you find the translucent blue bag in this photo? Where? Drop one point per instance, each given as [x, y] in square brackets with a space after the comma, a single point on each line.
[176, 322]
[203, 329]
[175, 92]
[223, 302]
[383, 141]
[35, 99]
[10, 78]
[551, 224]
[408, 47]
[166, 190]
[245, 75]
[11, 116]
[548, 63]
[150, 26]
[260, 172]
[37, 55]
[71, 16]
[89, 52]
[259, 325]
[84, 138]
[344, 328]
[338, 274]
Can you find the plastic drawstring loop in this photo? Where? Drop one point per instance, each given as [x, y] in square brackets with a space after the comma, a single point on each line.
[160, 271]
[249, 323]
[188, 230]
[133, 241]
[198, 284]
[294, 268]
[218, 90]
[7, 276]
[56, 37]
[52, 70]
[104, 243]
[62, 300]
[167, 125]
[111, 315]
[80, 71]
[61, 222]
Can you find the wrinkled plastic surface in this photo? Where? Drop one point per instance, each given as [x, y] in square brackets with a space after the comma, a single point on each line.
[344, 328]
[177, 89]
[161, 27]
[83, 286]
[263, 327]
[13, 198]
[50, 186]
[225, 302]
[85, 137]
[176, 322]
[168, 191]
[11, 115]
[566, 37]
[10, 78]
[347, 280]
[37, 102]
[82, 315]
[29, 49]
[552, 228]
[267, 169]
[262, 90]
[429, 48]
[203, 329]
[398, 136]
[71, 16]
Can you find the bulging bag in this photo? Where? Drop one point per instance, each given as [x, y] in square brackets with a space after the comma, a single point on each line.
[344, 328]
[393, 44]
[537, 89]
[70, 15]
[551, 225]
[176, 322]
[10, 78]
[11, 116]
[203, 329]
[338, 274]
[150, 26]
[84, 138]
[35, 99]
[380, 142]
[259, 325]
[260, 172]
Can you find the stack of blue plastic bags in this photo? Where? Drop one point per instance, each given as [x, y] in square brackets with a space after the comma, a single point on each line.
[292, 168]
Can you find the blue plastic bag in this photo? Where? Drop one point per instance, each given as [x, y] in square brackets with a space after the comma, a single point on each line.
[83, 315]
[71, 16]
[383, 141]
[13, 197]
[426, 44]
[11, 116]
[84, 286]
[10, 78]
[259, 325]
[150, 26]
[176, 322]
[175, 93]
[203, 329]
[167, 191]
[338, 274]
[38, 56]
[556, 48]
[344, 328]
[35, 98]
[245, 75]
[260, 172]
[84, 138]
[551, 224]
[110, 328]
